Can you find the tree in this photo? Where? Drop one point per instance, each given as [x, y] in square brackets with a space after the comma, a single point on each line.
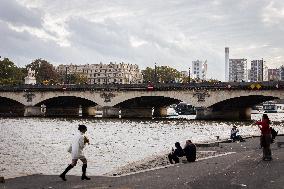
[43, 71]
[148, 75]
[10, 73]
[77, 78]
[165, 74]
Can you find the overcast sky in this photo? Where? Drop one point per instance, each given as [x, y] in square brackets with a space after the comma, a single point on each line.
[169, 32]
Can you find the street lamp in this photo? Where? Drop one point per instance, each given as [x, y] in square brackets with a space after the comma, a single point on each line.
[155, 78]
[189, 75]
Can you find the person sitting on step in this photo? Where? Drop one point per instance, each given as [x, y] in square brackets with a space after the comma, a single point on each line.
[176, 153]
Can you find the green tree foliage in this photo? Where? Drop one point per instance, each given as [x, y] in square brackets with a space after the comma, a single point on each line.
[10, 73]
[165, 74]
[76, 78]
[44, 71]
[148, 75]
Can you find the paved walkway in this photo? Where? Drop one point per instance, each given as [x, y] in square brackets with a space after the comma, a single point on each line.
[243, 169]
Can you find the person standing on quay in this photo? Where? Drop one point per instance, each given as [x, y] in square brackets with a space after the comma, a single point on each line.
[265, 139]
[76, 150]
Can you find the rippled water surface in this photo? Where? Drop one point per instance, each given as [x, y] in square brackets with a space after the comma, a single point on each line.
[39, 145]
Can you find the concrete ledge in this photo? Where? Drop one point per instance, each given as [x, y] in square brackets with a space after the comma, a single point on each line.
[213, 144]
[279, 144]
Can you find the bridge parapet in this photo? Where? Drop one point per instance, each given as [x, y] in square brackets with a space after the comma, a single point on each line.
[267, 85]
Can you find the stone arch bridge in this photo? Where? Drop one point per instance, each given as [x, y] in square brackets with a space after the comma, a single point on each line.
[212, 100]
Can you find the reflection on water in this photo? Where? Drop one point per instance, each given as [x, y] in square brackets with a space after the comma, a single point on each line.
[38, 145]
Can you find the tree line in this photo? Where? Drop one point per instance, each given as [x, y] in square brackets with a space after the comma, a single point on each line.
[45, 73]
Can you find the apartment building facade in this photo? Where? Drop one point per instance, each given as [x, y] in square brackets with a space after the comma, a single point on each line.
[256, 71]
[199, 69]
[112, 73]
[238, 70]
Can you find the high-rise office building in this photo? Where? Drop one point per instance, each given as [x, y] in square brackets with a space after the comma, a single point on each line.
[256, 71]
[237, 70]
[199, 69]
[227, 64]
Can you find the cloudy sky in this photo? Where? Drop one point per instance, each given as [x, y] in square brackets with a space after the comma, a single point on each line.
[169, 32]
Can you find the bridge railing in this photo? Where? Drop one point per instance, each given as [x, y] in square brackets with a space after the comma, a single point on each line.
[271, 85]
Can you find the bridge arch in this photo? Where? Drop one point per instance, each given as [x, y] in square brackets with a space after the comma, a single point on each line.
[13, 97]
[231, 96]
[148, 101]
[87, 95]
[241, 102]
[11, 107]
[66, 106]
[171, 96]
[234, 105]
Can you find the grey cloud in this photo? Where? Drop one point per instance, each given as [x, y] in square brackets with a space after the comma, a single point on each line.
[11, 11]
[106, 38]
[175, 32]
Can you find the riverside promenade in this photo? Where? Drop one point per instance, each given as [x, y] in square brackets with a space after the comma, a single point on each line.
[242, 169]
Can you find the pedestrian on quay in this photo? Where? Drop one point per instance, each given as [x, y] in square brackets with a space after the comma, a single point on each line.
[265, 138]
[190, 151]
[235, 136]
[76, 150]
[176, 153]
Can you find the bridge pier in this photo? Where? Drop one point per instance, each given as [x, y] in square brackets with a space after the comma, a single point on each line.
[89, 111]
[110, 112]
[33, 111]
[136, 112]
[210, 114]
[160, 112]
[62, 111]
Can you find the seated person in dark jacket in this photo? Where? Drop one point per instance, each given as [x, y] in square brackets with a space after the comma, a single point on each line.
[175, 154]
[190, 151]
[235, 135]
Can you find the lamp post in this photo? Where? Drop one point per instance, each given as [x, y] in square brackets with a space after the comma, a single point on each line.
[189, 75]
[155, 78]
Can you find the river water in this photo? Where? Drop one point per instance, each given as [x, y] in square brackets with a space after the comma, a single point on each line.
[39, 145]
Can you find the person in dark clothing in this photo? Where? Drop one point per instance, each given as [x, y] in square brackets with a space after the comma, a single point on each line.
[190, 151]
[265, 138]
[235, 135]
[175, 154]
[273, 134]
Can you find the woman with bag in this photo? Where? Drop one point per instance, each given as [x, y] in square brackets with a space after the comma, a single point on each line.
[265, 138]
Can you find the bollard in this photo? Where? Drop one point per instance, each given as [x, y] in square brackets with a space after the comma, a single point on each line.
[2, 180]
